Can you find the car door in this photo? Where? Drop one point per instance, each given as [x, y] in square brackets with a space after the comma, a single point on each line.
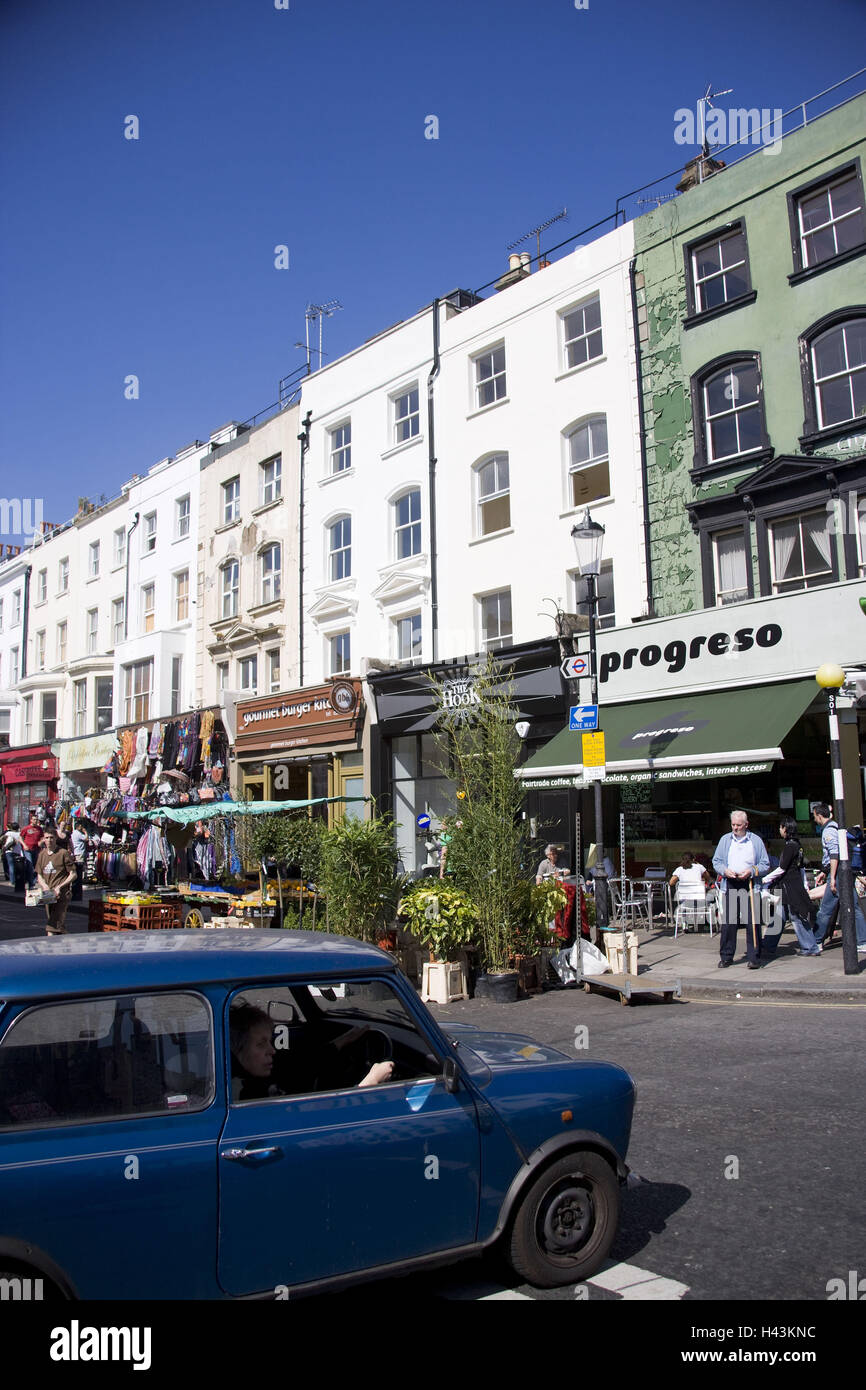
[332, 1181]
[109, 1121]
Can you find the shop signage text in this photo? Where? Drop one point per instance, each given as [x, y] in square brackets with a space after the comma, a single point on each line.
[665, 774]
[312, 716]
[677, 652]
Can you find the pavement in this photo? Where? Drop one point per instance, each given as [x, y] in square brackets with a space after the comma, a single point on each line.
[691, 958]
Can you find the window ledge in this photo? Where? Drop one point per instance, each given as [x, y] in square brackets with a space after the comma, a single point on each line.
[808, 271]
[343, 473]
[267, 506]
[493, 535]
[737, 464]
[707, 314]
[92, 579]
[581, 367]
[483, 409]
[810, 442]
[227, 525]
[176, 540]
[61, 593]
[115, 568]
[582, 506]
[258, 610]
[404, 444]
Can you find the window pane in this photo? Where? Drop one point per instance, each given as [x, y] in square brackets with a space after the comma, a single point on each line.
[723, 438]
[819, 246]
[829, 353]
[834, 402]
[590, 483]
[749, 429]
[815, 210]
[708, 260]
[495, 515]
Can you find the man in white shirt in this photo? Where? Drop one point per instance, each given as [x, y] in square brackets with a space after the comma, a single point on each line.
[740, 859]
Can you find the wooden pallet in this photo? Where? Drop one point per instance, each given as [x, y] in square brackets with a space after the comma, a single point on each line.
[630, 987]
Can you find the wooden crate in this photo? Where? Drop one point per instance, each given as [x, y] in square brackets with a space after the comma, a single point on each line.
[108, 916]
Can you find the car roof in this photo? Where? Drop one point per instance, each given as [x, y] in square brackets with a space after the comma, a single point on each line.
[121, 961]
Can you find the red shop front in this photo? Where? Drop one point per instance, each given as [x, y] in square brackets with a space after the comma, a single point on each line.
[28, 776]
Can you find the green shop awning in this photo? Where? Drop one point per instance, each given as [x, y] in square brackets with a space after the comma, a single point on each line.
[678, 738]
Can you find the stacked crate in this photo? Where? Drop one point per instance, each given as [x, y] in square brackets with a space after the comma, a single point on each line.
[110, 916]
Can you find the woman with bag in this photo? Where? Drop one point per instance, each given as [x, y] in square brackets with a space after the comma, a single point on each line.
[794, 893]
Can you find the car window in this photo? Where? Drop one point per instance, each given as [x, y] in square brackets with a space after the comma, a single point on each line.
[106, 1058]
[323, 1036]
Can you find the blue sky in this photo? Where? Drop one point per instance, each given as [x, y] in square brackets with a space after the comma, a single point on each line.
[305, 127]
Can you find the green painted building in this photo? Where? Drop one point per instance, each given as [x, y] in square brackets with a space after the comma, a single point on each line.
[752, 296]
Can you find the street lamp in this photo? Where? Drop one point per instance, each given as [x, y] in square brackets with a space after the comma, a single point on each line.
[588, 539]
[830, 677]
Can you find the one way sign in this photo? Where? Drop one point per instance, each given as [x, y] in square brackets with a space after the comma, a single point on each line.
[575, 667]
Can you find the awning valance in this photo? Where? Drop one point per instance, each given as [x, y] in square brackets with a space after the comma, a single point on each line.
[182, 815]
[686, 736]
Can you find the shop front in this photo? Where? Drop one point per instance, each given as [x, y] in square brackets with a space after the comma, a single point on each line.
[302, 745]
[715, 711]
[29, 778]
[408, 775]
[81, 762]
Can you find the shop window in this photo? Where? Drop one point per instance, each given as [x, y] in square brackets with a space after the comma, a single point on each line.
[801, 552]
[494, 613]
[493, 495]
[49, 716]
[731, 565]
[104, 703]
[588, 462]
[606, 610]
[407, 525]
[79, 708]
[581, 333]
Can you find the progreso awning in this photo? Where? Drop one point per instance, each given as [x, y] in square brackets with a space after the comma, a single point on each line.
[676, 739]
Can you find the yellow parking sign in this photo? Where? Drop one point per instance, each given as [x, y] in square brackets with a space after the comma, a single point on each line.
[593, 750]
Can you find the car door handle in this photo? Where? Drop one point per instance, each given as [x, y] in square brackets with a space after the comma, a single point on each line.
[251, 1155]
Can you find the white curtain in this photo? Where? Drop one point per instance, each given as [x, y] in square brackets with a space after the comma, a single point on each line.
[784, 539]
[731, 553]
[818, 531]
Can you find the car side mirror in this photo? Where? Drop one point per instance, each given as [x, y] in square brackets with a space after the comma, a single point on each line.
[451, 1075]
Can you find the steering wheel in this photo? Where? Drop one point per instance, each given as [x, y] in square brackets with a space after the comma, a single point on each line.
[376, 1051]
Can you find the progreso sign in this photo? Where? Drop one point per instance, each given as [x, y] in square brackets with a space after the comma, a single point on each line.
[677, 652]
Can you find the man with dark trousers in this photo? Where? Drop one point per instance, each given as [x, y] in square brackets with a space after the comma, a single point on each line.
[740, 859]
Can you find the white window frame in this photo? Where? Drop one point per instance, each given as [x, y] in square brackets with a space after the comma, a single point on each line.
[39, 650]
[118, 620]
[592, 424]
[148, 613]
[502, 490]
[48, 695]
[273, 670]
[63, 575]
[410, 528]
[340, 449]
[734, 410]
[415, 649]
[270, 579]
[62, 642]
[92, 632]
[339, 556]
[93, 560]
[181, 598]
[138, 691]
[859, 505]
[606, 595]
[583, 336]
[182, 516]
[79, 708]
[724, 597]
[27, 719]
[406, 426]
[14, 665]
[833, 222]
[489, 376]
[100, 725]
[338, 663]
[1, 614]
[222, 675]
[847, 373]
[699, 281]
[230, 591]
[42, 586]
[271, 476]
[231, 498]
[176, 684]
[16, 608]
[503, 639]
[248, 666]
[148, 541]
[816, 578]
[119, 548]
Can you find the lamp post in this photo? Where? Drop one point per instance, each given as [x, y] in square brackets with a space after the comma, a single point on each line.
[588, 539]
[830, 677]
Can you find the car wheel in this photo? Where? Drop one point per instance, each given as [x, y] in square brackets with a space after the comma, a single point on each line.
[566, 1221]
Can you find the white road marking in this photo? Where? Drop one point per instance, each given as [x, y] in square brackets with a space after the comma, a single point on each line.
[631, 1282]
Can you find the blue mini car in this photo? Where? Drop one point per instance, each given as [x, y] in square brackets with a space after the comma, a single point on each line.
[259, 1114]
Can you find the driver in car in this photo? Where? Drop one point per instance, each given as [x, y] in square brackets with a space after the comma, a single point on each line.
[251, 1040]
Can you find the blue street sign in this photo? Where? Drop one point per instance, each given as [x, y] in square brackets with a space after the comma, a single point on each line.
[582, 717]
[423, 821]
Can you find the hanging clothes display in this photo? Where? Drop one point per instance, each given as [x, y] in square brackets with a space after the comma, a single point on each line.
[138, 767]
[206, 734]
[127, 749]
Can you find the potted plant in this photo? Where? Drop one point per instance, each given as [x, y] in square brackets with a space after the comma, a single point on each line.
[487, 849]
[359, 877]
[443, 918]
[539, 904]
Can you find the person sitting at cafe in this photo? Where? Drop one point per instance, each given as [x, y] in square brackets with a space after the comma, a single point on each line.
[550, 866]
[691, 880]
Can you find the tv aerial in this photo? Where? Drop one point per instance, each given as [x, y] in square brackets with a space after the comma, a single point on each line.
[703, 103]
[320, 312]
[536, 232]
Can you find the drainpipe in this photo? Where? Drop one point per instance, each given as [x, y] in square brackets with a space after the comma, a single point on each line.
[434, 585]
[643, 460]
[126, 590]
[25, 625]
[304, 438]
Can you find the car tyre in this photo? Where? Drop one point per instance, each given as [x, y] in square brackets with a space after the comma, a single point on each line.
[566, 1221]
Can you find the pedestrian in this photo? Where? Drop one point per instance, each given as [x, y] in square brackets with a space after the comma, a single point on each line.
[18, 868]
[795, 896]
[740, 859]
[55, 873]
[78, 846]
[827, 912]
[31, 837]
